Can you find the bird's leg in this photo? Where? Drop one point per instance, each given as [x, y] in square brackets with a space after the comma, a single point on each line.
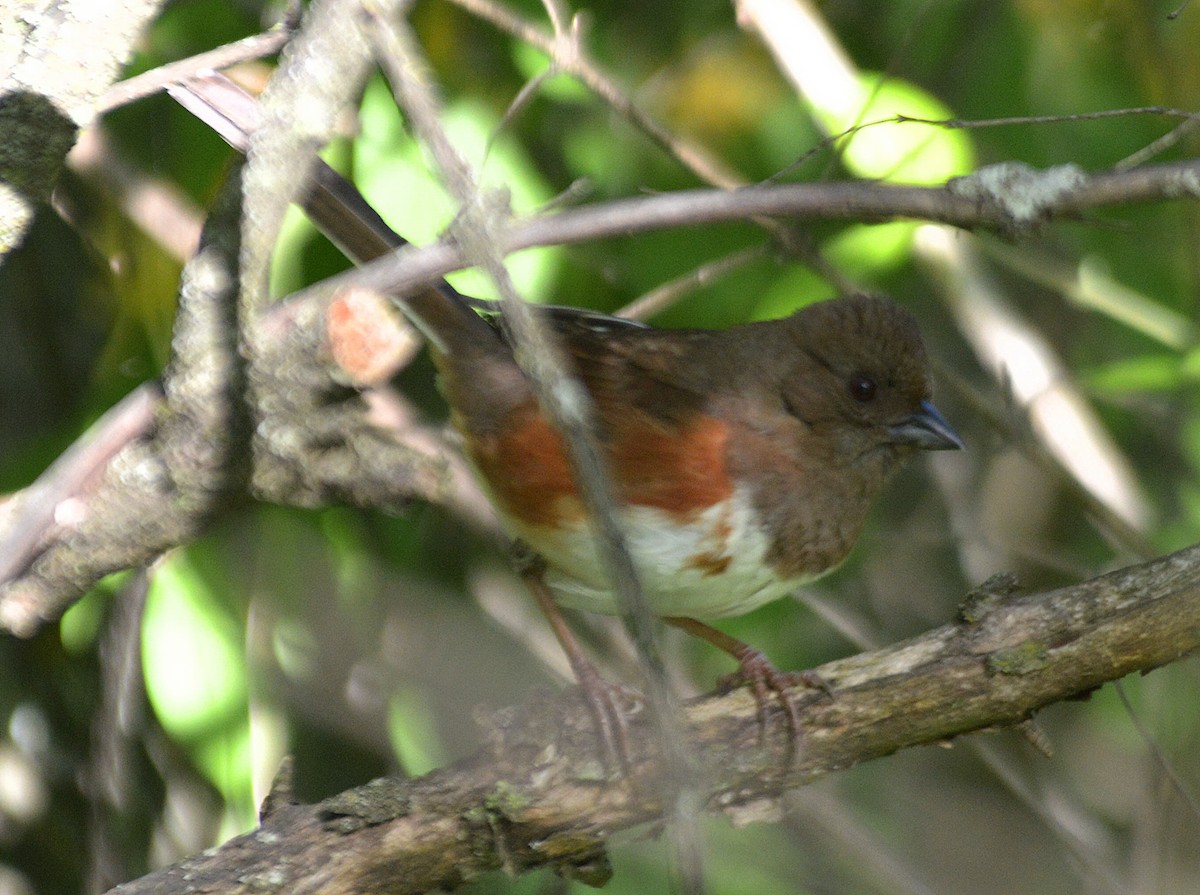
[756, 669]
[600, 695]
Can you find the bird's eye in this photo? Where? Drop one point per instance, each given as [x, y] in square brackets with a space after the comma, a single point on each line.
[863, 388]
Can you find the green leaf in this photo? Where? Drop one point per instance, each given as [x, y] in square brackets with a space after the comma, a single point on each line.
[192, 653]
[1158, 372]
[393, 175]
[413, 732]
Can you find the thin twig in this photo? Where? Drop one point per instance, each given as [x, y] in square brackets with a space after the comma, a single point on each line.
[565, 48]
[566, 402]
[658, 300]
[1018, 120]
[1160, 758]
[158, 79]
[160, 208]
[857, 201]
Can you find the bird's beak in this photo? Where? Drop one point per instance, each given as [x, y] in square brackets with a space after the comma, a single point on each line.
[926, 430]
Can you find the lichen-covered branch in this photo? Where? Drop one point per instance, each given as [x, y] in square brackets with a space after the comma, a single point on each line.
[55, 62]
[972, 203]
[536, 796]
[185, 456]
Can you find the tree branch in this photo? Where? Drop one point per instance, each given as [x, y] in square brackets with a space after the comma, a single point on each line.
[183, 456]
[535, 798]
[55, 62]
[1015, 200]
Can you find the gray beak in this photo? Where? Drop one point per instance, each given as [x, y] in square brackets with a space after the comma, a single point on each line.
[927, 430]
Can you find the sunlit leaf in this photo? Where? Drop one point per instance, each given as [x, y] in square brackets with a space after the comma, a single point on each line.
[898, 151]
[865, 251]
[392, 173]
[1159, 372]
[794, 288]
[191, 653]
[413, 732]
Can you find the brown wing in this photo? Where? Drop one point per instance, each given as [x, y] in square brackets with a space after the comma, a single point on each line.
[663, 449]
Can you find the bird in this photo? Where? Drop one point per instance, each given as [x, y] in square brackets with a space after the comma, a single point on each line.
[743, 460]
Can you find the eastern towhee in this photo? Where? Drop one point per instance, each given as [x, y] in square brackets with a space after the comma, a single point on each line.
[743, 460]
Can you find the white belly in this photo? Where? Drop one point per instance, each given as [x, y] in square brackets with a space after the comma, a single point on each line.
[711, 567]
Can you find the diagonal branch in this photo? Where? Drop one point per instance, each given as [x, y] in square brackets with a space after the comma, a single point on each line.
[533, 798]
[157, 472]
[1012, 199]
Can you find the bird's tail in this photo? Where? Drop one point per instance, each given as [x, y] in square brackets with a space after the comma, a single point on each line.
[445, 316]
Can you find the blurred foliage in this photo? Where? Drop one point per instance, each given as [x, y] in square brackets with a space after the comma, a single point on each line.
[358, 642]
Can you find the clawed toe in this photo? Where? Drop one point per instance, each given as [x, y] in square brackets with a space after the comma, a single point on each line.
[765, 681]
[605, 703]
[755, 669]
[813, 681]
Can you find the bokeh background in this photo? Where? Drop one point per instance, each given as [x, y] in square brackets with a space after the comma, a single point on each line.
[147, 724]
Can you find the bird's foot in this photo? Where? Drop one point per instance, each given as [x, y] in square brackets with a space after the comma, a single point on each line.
[605, 701]
[765, 681]
[609, 705]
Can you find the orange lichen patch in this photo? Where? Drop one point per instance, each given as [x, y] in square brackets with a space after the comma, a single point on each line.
[527, 469]
[682, 472]
[366, 336]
